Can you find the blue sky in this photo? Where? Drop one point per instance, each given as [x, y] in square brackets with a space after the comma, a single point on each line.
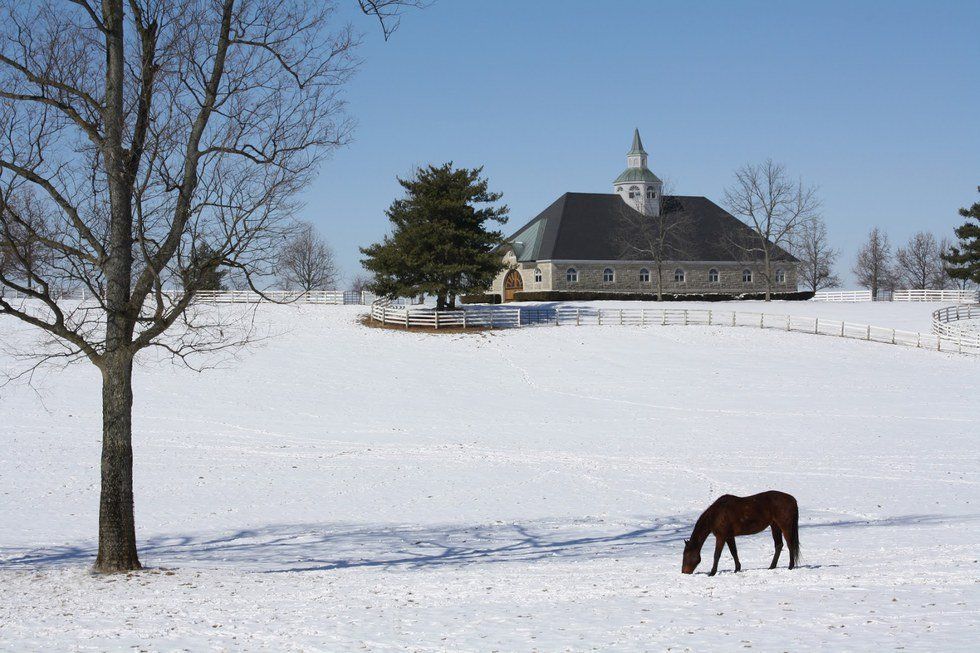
[876, 103]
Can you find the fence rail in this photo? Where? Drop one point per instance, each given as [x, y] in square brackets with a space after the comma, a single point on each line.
[514, 317]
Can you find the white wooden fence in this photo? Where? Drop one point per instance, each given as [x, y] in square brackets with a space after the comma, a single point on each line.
[513, 317]
[489, 317]
[960, 296]
[842, 296]
[236, 296]
[250, 297]
[959, 325]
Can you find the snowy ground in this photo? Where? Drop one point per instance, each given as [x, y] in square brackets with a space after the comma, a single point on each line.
[344, 488]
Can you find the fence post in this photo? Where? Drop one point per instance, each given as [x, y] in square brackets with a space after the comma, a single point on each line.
[491, 320]
[842, 328]
[578, 317]
[869, 333]
[816, 325]
[733, 318]
[599, 316]
[464, 319]
[787, 323]
[709, 317]
[685, 317]
[762, 320]
[620, 317]
[918, 340]
[406, 317]
[643, 317]
[893, 336]
[663, 312]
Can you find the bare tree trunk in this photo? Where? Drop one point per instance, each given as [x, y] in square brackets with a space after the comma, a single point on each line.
[117, 531]
[768, 269]
[117, 524]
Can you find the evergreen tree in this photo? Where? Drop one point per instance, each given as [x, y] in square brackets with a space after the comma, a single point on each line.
[441, 244]
[964, 260]
[204, 270]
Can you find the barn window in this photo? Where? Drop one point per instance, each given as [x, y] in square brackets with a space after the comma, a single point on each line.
[644, 276]
[679, 276]
[780, 276]
[746, 276]
[608, 276]
[712, 276]
[571, 275]
[537, 275]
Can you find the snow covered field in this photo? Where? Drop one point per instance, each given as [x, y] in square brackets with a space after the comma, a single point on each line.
[343, 488]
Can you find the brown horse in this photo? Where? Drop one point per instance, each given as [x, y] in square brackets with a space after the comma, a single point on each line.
[729, 516]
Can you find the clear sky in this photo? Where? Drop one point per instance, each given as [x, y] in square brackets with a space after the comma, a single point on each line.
[876, 103]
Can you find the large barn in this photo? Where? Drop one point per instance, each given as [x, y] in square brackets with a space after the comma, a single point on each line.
[634, 241]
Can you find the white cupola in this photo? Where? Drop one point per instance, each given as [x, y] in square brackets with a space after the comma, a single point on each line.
[639, 187]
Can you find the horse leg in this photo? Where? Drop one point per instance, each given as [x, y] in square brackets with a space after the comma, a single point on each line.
[777, 538]
[719, 545]
[731, 547]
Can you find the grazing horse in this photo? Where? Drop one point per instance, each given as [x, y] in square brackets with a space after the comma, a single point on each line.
[729, 516]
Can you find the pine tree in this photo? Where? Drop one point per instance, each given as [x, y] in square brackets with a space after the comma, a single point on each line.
[204, 271]
[964, 260]
[440, 244]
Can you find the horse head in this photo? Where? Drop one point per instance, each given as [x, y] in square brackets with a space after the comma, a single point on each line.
[692, 557]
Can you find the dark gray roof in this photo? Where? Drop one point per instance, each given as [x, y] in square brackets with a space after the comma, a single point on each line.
[598, 226]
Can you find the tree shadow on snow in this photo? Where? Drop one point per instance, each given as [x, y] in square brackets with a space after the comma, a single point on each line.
[321, 547]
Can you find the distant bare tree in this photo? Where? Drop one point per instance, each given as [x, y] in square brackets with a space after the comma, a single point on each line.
[817, 258]
[361, 282]
[873, 266]
[774, 207]
[24, 228]
[919, 265]
[166, 140]
[306, 262]
[658, 239]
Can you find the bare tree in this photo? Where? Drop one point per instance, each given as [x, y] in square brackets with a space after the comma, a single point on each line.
[817, 258]
[306, 262]
[153, 130]
[361, 282]
[660, 238]
[873, 266]
[775, 209]
[919, 265]
[23, 230]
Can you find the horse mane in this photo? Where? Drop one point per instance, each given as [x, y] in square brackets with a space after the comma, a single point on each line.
[702, 527]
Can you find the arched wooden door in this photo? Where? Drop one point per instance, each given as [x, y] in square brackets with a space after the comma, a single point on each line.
[512, 284]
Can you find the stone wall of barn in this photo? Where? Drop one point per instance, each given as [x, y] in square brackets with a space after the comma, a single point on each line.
[628, 277]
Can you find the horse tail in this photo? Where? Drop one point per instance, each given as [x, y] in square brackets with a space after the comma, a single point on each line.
[794, 538]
